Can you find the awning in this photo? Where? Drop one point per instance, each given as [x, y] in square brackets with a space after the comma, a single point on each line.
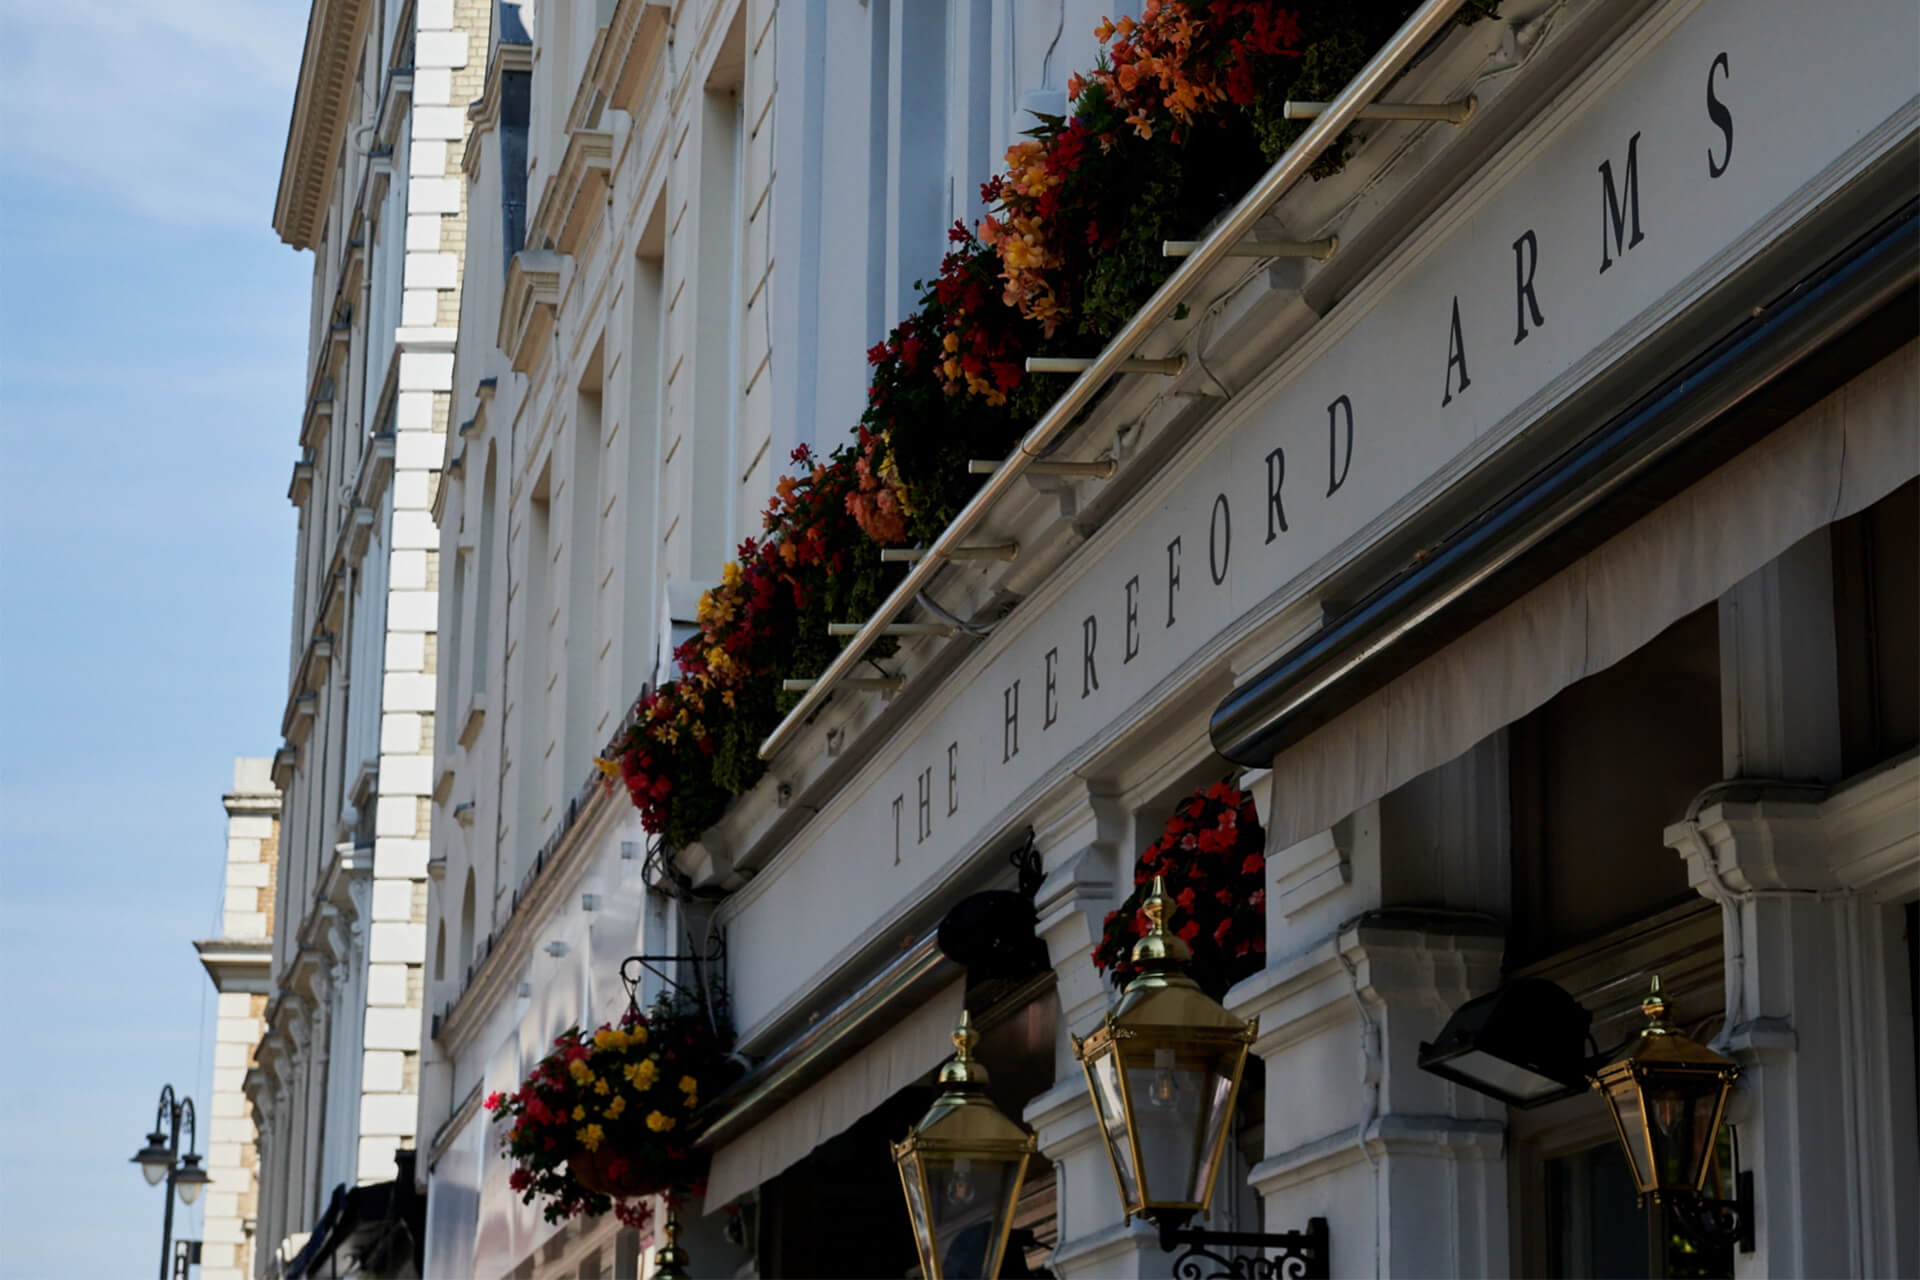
[1843, 454]
[900, 1057]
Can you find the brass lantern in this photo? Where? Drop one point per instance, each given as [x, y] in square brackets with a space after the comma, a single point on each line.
[961, 1169]
[1164, 1070]
[1667, 1094]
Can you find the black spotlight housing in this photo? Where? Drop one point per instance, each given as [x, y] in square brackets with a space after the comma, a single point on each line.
[1525, 1044]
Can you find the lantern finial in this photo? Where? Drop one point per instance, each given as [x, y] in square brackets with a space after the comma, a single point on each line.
[1655, 1007]
[1161, 947]
[964, 1069]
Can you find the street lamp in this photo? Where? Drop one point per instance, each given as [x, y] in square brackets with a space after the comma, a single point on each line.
[160, 1159]
[961, 1169]
[1667, 1095]
[1164, 1069]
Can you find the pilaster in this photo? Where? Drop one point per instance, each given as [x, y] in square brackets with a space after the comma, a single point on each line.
[1407, 1168]
[1816, 1007]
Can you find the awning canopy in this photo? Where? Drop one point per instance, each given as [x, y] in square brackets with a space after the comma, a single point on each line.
[900, 1057]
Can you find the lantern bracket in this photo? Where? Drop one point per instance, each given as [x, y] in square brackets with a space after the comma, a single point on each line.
[1712, 1221]
[1297, 1255]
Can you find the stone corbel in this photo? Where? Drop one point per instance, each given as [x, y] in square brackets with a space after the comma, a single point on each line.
[1079, 844]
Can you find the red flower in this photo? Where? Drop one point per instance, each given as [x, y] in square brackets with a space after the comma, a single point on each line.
[494, 1100]
[1258, 900]
[1189, 931]
[1254, 865]
[1221, 930]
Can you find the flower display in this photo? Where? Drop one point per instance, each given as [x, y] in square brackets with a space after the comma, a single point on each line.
[1178, 118]
[610, 1116]
[1212, 856]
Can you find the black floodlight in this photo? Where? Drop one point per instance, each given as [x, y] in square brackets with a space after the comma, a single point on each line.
[1525, 1044]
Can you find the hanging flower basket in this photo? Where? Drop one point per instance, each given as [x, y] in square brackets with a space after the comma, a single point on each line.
[1212, 855]
[608, 1117]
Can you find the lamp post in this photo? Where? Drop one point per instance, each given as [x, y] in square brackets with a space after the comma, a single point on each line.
[1164, 1070]
[161, 1160]
[961, 1169]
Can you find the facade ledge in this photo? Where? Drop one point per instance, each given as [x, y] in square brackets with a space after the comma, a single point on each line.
[577, 192]
[285, 761]
[528, 306]
[376, 469]
[634, 37]
[476, 715]
[319, 417]
[238, 964]
[359, 532]
[418, 338]
[396, 96]
[300, 486]
[297, 723]
[333, 601]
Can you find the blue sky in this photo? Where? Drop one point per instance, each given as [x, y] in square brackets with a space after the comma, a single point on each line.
[152, 334]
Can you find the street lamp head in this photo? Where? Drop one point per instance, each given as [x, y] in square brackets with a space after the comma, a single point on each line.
[190, 1179]
[961, 1168]
[1667, 1094]
[154, 1159]
[1164, 1071]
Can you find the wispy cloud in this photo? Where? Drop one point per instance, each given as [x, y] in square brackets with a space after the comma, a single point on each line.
[154, 105]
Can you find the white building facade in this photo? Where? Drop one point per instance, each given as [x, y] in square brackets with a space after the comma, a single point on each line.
[1541, 560]
[239, 964]
[370, 187]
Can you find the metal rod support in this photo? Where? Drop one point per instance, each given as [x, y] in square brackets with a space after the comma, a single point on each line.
[875, 684]
[892, 629]
[1098, 469]
[1449, 112]
[914, 555]
[1427, 22]
[1168, 365]
[1319, 250]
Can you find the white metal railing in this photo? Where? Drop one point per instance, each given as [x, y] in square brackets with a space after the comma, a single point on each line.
[1328, 124]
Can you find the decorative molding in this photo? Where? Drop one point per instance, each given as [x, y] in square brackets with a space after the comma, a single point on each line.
[238, 964]
[577, 192]
[484, 112]
[300, 486]
[320, 105]
[528, 306]
[297, 722]
[1307, 872]
[633, 39]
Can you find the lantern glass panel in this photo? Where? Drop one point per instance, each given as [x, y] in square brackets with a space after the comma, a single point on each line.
[1104, 1071]
[1180, 1097]
[970, 1200]
[917, 1210]
[1681, 1115]
[1623, 1097]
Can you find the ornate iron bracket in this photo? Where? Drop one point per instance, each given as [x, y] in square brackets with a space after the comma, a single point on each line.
[709, 989]
[1297, 1255]
[1712, 1221]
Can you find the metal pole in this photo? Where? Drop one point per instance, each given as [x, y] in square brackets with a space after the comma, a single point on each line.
[1426, 22]
[172, 1110]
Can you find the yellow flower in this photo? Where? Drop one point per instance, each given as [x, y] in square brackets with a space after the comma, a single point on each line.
[640, 1074]
[580, 1071]
[659, 1123]
[579, 1113]
[601, 1087]
[590, 1137]
[608, 767]
[615, 1107]
[636, 1034]
[688, 1084]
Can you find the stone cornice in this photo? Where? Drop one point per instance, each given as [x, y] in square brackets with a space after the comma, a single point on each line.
[632, 40]
[576, 193]
[528, 305]
[238, 964]
[334, 30]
